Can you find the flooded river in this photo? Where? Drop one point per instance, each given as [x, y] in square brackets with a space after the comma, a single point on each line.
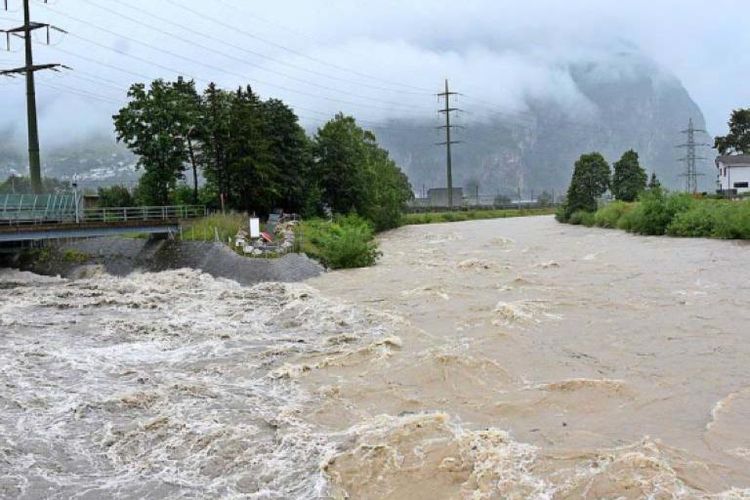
[514, 358]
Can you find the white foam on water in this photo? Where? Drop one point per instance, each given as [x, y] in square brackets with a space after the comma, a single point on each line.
[161, 385]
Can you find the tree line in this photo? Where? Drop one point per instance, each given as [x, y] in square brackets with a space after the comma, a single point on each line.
[241, 152]
[592, 177]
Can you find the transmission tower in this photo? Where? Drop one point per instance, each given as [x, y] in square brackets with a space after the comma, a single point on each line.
[25, 32]
[691, 158]
[447, 110]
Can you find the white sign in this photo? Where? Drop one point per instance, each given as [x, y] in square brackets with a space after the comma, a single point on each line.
[254, 228]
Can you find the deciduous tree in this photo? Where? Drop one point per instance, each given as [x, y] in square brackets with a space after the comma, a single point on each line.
[629, 178]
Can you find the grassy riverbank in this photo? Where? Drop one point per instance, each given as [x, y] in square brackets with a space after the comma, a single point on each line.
[678, 214]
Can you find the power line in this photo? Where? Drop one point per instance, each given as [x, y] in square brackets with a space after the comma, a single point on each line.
[447, 110]
[287, 49]
[236, 47]
[213, 67]
[29, 69]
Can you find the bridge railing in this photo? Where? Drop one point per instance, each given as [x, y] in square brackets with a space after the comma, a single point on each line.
[27, 216]
[132, 214]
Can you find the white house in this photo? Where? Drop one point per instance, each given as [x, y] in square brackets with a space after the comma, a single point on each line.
[734, 173]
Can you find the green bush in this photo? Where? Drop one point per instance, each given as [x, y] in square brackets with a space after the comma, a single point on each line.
[345, 243]
[698, 222]
[656, 211]
[582, 218]
[733, 220]
[609, 215]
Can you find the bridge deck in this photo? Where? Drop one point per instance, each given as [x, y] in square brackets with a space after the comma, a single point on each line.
[38, 232]
[19, 227]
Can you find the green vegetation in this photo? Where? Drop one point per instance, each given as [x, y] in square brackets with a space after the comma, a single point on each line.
[73, 256]
[344, 243]
[115, 196]
[356, 175]
[610, 215]
[738, 139]
[255, 156]
[628, 179]
[439, 217]
[207, 228]
[674, 214]
[591, 178]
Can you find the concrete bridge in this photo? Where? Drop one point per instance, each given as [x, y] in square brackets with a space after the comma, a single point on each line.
[29, 223]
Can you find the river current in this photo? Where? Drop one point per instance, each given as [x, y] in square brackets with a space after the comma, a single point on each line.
[514, 358]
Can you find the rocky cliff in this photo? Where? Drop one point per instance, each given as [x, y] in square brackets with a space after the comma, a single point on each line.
[631, 103]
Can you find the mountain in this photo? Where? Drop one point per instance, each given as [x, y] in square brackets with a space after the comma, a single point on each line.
[627, 101]
[97, 161]
[632, 104]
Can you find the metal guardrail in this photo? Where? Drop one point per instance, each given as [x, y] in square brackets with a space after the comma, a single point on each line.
[130, 214]
[103, 215]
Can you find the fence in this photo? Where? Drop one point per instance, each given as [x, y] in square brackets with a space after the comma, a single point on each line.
[66, 208]
[26, 208]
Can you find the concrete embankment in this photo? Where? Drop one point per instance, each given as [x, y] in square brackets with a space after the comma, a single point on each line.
[121, 256]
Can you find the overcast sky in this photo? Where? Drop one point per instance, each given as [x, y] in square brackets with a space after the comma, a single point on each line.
[374, 59]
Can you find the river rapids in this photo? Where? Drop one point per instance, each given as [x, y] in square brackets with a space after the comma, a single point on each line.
[514, 358]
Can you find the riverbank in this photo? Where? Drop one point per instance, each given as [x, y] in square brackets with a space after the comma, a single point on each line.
[123, 256]
[674, 214]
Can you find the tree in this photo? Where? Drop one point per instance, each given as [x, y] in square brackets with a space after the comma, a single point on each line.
[357, 175]
[654, 183]
[340, 151]
[591, 178]
[388, 189]
[629, 179]
[115, 196]
[291, 151]
[194, 111]
[738, 139]
[253, 178]
[215, 136]
[154, 126]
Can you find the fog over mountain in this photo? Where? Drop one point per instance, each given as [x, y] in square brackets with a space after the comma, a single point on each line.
[541, 81]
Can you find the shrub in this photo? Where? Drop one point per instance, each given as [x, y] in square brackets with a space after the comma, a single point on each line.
[609, 215]
[733, 221]
[698, 221]
[656, 210]
[583, 218]
[348, 242]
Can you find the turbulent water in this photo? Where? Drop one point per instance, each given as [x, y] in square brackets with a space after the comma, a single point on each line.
[514, 358]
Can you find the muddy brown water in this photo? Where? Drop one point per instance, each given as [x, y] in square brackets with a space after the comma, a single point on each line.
[513, 358]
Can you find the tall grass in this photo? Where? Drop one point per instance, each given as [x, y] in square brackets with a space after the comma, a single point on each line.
[225, 226]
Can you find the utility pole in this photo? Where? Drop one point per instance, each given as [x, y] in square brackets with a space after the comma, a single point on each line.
[25, 32]
[447, 110]
[691, 158]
